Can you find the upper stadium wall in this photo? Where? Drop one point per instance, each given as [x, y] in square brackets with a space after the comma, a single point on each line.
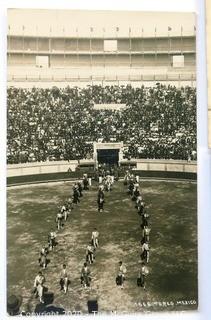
[41, 43]
[121, 24]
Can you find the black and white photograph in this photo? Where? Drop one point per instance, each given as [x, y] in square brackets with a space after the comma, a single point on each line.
[101, 162]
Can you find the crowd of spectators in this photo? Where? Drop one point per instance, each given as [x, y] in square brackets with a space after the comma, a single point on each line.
[62, 124]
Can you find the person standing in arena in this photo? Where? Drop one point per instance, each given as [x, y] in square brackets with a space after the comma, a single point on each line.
[80, 189]
[64, 211]
[59, 219]
[100, 199]
[76, 199]
[144, 271]
[85, 182]
[100, 178]
[145, 233]
[112, 174]
[107, 183]
[52, 240]
[130, 187]
[136, 192]
[95, 235]
[38, 285]
[138, 202]
[145, 219]
[140, 206]
[145, 252]
[90, 181]
[120, 279]
[43, 257]
[90, 253]
[126, 178]
[85, 276]
[64, 279]
[69, 204]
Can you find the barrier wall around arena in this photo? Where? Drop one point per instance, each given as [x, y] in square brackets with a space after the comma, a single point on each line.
[64, 170]
[167, 165]
[25, 169]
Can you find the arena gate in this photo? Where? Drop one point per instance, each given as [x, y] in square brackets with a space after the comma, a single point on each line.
[108, 153]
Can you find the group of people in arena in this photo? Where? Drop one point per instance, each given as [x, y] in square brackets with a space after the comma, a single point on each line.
[90, 257]
[133, 190]
[106, 178]
[106, 181]
[62, 124]
[61, 218]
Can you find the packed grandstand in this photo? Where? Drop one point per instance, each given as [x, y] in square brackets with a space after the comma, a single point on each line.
[62, 124]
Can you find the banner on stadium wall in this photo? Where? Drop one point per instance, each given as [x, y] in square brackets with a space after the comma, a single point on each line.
[110, 106]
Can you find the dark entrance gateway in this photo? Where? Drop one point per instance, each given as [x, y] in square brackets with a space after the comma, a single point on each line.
[108, 156]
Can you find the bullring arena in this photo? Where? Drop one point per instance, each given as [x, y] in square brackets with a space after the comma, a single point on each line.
[116, 109]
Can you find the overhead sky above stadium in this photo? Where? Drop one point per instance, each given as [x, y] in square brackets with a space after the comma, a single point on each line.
[99, 23]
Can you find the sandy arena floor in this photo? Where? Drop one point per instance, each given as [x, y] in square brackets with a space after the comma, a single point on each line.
[172, 282]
